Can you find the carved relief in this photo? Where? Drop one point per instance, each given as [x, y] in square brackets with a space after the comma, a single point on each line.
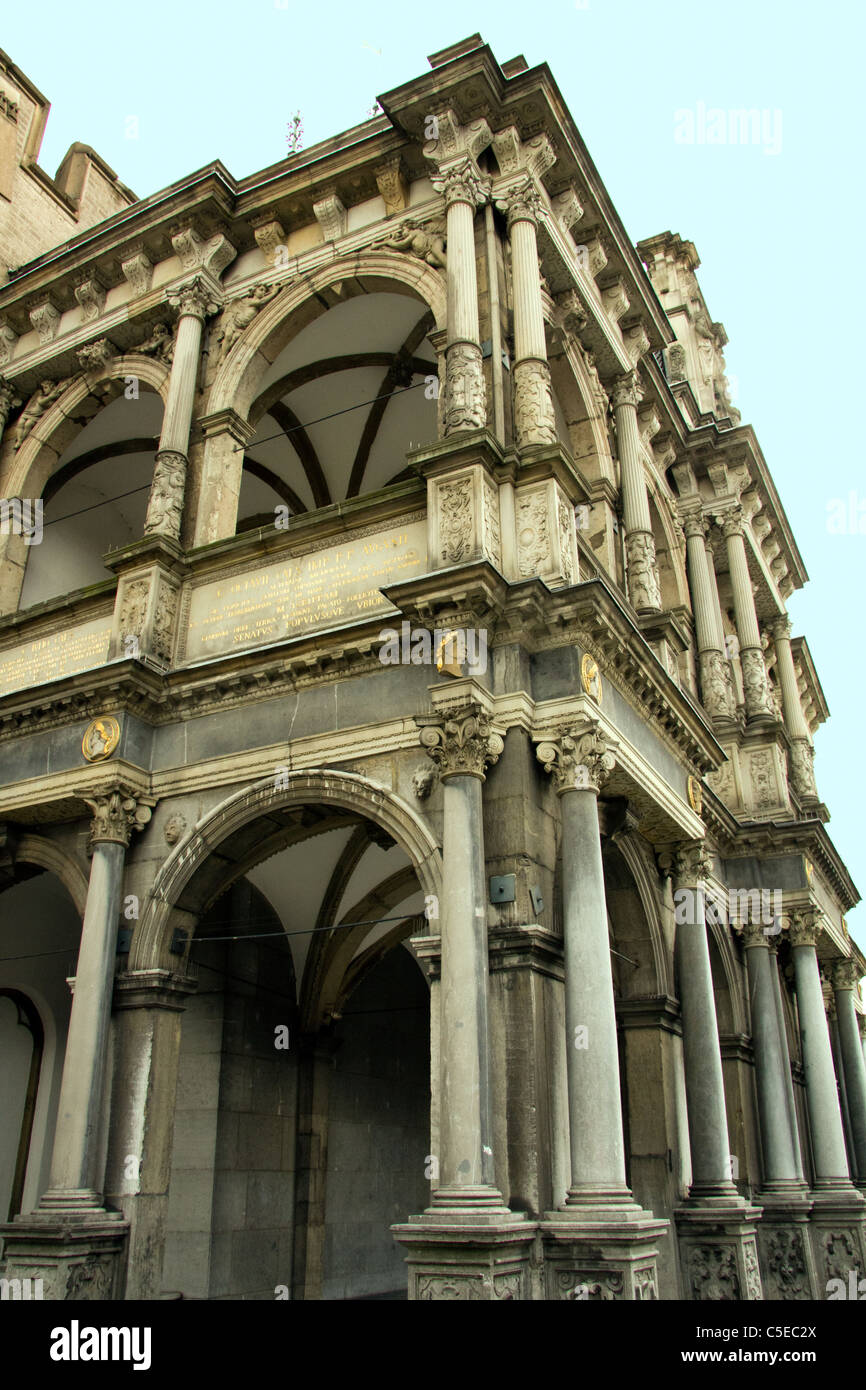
[456, 518]
[439, 1288]
[165, 507]
[8, 339]
[426, 240]
[45, 396]
[723, 784]
[465, 407]
[101, 737]
[753, 1274]
[91, 1280]
[840, 1254]
[158, 344]
[786, 1263]
[533, 543]
[174, 828]
[163, 622]
[133, 609]
[239, 314]
[589, 1286]
[713, 1274]
[94, 356]
[422, 782]
[716, 691]
[643, 583]
[801, 764]
[755, 686]
[534, 419]
[490, 523]
[645, 1285]
[764, 793]
[566, 540]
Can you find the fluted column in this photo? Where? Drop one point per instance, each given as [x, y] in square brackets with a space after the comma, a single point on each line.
[715, 689]
[534, 419]
[779, 1137]
[581, 761]
[801, 756]
[74, 1180]
[845, 975]
[755, 686]
[825, 1119]
[462, 744]
[193, 302]
[643, 581]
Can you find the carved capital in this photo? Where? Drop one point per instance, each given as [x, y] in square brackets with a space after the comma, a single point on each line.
[804, 926]
[752, 934]
[578, 759]
[731, 522]
[695, 525]
[194, 298]
[627, 391]
[462, 742]
[780, 628]
[115, 814]
[845, 973]
[521, 202]
[462, 182]
[688, 863]
[165, 507]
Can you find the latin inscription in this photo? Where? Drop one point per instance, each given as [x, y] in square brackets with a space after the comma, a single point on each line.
[52, 657]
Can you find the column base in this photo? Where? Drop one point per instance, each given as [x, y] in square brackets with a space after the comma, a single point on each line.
[602, 1253]
[718, 1249]
[784, 1245]
[452, 1258]
[837, 1225]
[74, 1247]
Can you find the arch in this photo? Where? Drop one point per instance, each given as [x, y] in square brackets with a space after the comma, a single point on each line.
[236, 381]
[29, 1018]
[347, 791]
[720, 937]
[36, 849]
[669, 551]
[646, 885]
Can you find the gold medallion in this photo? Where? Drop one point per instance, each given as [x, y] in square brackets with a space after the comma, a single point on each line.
[101, 737]
[590, 678]
[696, 795]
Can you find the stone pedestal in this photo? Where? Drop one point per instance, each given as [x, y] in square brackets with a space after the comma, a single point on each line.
[75, 1259]
[604, 1260]
[718, 1250]
[461, 1263]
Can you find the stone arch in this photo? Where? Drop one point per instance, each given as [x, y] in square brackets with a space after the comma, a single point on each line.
[722, 951]
[645, 885]
[576, 390]
[339, 790]
[670, 554]
[36, 849]
[236, 382]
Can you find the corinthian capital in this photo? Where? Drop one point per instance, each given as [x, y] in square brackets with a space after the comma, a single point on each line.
[194, 298]
[845, 973]
[462, 742]
[780, 628]
[688, 863]
[115, 814]
[731, 522]
[521, 201]
[694, 525]
[579, 759]
[627, 390]
[804, 926]
[462, 182]
[454, 150]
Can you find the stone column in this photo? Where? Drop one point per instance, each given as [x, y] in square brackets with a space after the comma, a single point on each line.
[801, 756]
[600, 1213]
[458, 177]
[715, 688]
[755, 687]
[534, 420]
[845, 975]
[193, 302]
[643, 581]
[462, 744]
[772, 1066]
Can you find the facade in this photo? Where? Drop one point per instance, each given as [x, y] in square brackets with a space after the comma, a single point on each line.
[414, 873]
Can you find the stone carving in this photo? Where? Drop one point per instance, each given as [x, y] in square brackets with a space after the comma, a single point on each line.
[589, 1286]
[133, 609]
[615, 300]
[465, 407]
[804, 926]
[239, 314]
[801, 763]
[461, 182]
[195, 253]
[724, 784]
[715, 689]
[599, 395]
[645, 1285]
[627, 391]
[331, 216]
[713, 1274]
[755, 684]
[94, 356]
[90, 294]
[101, 737]
[533, 544]
[566, 540]
[391, 183]
[115, 816]
[45, 396]
[763, 781]
[753, 1273]
[8, 339]
[455, 521]
[163, 622]
[422, 782]
[165, 507]
[579, 759]
[138, 270]
[534, 419]
[515, 156]
[159, 344]
[432, 1288]
[840, 1255]
[490, 523]
[90, 1280]
[573, 316]
[426, 240]
[45, 318]
[454, 151]
[174, 828]
[845, 973]
[566, 208]
[194, 298]
[521, 202]
[461, 743]
[689, 863]
[508, 1287]
[270, 236]
[643, 583]
[786, 1263]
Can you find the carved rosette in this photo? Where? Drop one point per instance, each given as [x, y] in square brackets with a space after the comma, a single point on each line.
[689, 863]
[716, 689]
[643, 582]
[801, 766]
[804, 926]
[165, 507]
[465, 405]
[114, 817]
[534, 419]
[578, 759]
[756, 687]
[461, 743]
[845, 973]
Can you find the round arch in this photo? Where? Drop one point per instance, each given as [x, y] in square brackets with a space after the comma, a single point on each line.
[645, 882]
[236, 383]
[348, 791]
[36, 849]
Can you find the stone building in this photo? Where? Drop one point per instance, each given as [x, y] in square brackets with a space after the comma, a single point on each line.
[413, 867]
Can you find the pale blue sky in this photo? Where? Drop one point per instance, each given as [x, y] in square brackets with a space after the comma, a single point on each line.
[776, 231]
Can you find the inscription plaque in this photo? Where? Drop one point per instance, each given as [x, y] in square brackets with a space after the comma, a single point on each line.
[55, 655]
[303, 593]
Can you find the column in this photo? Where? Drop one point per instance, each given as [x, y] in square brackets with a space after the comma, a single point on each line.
[462, 744]
[7, 397]
[779, 1139]
[580, 763]
[193, 302]
[715, 689]
[825, 1120]
[458, 177]
[74, 1182]
[705, 1091]
[643, 582]
[801, 755]
[755, 685]
[845, 975]
[534, 420]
